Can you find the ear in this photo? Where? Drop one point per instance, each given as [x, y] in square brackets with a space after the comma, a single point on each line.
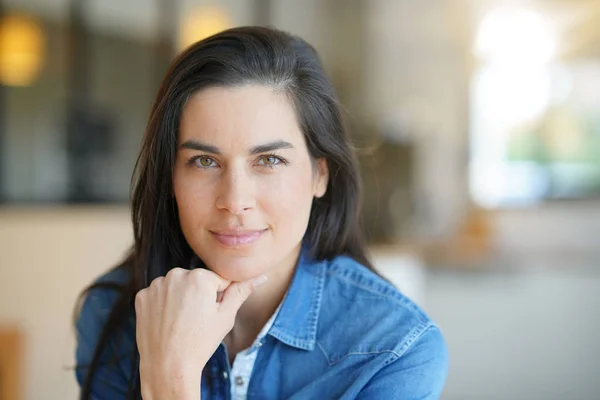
[321, 178]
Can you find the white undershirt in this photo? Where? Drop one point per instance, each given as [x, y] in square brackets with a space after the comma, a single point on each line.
[243, 363]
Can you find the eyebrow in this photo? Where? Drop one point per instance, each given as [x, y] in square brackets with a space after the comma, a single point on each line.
[263, 148]
[196, 145]
[276, 145]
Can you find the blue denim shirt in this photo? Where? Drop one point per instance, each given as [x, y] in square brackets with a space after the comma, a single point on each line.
[342, 332]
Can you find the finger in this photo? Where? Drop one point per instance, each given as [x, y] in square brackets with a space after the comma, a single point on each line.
[139, 321]
[222, 283]
[237, 293]
[206, 275]
[176, 271]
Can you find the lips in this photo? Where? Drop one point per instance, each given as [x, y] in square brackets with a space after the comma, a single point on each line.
[236, 238]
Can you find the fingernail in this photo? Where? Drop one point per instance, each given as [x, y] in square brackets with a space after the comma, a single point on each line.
[256, 282]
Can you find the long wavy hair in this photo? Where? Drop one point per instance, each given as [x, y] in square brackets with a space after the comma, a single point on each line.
[235, 57]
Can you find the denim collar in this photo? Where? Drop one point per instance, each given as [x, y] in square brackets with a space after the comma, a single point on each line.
[297, 320]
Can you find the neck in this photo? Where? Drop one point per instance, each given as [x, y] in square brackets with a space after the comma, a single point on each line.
[260, 306]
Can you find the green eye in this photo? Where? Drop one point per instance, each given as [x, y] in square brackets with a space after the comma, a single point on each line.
[269, 160]
[205, 161]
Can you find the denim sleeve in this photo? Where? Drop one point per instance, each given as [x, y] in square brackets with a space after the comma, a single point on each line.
[419, 374]
[110, 380]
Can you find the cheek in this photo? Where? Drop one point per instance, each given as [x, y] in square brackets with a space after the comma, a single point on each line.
[288, 200]
[193, 199]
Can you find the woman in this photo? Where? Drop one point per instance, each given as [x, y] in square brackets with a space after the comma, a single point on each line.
[249, 276]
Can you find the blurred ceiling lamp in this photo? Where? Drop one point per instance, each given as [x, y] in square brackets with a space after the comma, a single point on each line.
[22, 45]
[201, 23]
[515, 36]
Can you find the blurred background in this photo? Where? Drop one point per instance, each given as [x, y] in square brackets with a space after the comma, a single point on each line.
[478, 126]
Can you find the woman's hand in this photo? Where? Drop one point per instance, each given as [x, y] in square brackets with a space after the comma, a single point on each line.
[179, 325]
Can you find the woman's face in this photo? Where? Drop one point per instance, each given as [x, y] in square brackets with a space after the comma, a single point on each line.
[244, 181]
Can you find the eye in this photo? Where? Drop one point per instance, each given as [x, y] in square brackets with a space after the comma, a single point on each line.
[204, 161]
[270, 160]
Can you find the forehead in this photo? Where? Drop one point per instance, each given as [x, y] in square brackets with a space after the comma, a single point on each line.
[245, 114]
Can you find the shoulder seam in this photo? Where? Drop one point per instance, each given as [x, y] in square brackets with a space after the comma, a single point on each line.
[367, 288]
[414, 337]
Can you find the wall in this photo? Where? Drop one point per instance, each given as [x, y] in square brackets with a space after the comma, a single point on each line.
[48, 256]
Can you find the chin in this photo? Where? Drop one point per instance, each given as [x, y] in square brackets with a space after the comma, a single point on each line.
[237, 269]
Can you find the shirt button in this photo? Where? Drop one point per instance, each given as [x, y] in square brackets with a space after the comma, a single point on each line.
[258, 344]
[239, 380]
[225, 375]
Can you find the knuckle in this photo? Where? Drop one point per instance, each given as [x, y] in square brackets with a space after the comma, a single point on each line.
[200, 275]
[244, 290]
[138, 300]
[157, 282]
[175, 272]
[199, 272]
[241, 291]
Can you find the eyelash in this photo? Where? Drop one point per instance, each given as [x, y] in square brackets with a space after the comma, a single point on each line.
[281, 161]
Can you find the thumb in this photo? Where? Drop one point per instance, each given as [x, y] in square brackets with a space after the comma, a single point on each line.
[237, 293]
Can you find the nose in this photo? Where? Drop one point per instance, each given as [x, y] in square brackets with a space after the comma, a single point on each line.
[236, 192]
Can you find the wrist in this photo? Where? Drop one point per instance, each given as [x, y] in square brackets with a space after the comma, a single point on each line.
[171, 386]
